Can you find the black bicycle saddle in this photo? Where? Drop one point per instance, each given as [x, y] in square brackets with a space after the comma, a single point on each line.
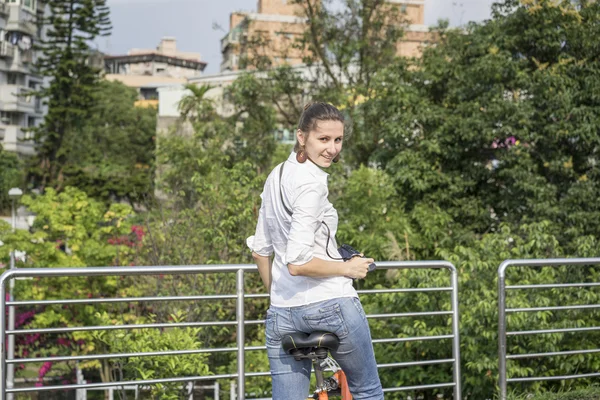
[301, 345]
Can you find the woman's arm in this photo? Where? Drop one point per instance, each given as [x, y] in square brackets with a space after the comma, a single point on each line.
[265, 264]
[356, 268]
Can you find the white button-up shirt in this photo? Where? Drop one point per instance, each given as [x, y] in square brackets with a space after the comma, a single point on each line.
[298, 238]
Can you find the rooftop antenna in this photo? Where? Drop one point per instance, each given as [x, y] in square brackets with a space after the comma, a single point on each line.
[217, 27]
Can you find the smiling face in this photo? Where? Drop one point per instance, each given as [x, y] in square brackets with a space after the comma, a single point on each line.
[323, 143]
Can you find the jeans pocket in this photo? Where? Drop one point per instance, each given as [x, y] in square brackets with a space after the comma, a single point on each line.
[329, 319]
[359, 307]
[271, 330]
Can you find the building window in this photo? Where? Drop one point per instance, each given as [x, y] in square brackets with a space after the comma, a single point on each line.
[9, 118]
[149, 93]
[30, 122]
[11, 78]
[5, 117]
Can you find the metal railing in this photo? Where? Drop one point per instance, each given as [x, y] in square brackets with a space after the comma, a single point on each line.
[455, 337]
[240, 322]
[503, 311]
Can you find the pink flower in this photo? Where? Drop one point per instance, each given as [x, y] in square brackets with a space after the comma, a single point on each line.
[44, 369]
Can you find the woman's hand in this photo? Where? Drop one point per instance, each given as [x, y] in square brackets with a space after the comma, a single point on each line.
[357, 267]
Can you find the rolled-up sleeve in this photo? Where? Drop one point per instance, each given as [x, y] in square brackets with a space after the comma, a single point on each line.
[261, 242]
[307, 214]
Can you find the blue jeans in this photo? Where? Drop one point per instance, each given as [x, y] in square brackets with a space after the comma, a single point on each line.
[343, 316]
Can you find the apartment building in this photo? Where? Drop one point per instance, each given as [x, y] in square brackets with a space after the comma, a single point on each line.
[147, 70]
[165, 60]
[416, 33]
[18, 109]
[277, 24]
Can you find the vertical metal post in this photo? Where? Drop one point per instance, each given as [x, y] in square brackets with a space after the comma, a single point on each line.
[2, 339]
[240, 336]
[217, 391]
[502, 332]
[10, 368]
[456, 336]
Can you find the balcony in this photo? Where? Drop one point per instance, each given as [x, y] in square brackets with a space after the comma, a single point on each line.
[17, 98]
[229, 63]
[21, 20]
[231, 38]
[6, 49]
[14, 139]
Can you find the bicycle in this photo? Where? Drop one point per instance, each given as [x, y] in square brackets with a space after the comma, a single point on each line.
[316, 347]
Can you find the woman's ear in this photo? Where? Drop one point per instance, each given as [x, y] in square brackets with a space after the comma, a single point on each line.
[300, 137]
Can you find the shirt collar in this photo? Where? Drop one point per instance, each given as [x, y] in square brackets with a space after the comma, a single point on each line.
[311, 167]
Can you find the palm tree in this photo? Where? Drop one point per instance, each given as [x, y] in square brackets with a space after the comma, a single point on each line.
[194, 106]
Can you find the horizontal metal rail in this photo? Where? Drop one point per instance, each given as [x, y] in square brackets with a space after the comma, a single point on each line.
[186, 352]
[239, 322]
[416, 363]
[554, 378]
[412, 339]
[120, 384]
[559, 330]
[420, 387]
[124, 327]
[414, 314]
[121, 355]
[405, 290]
[553, 286]
[503, 332]
[551, 354]
[108, 300]
[553, 308]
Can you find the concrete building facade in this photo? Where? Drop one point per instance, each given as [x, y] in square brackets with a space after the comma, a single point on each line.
[166, 61]
[277, 24]
[148, 70]
[18, 108]
[416, 33]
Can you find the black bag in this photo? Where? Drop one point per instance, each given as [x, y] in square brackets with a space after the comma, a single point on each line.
[346, 251]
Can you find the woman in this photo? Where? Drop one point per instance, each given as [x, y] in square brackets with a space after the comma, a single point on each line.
[310, 289]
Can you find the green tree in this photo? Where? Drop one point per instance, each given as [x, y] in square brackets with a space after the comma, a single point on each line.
[498, 125]
[70, 230]
[491, 142]
[112, 156]
[67, 60]
[152, 340]
[11, 175]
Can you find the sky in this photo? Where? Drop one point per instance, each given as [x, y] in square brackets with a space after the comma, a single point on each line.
[199, 25]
